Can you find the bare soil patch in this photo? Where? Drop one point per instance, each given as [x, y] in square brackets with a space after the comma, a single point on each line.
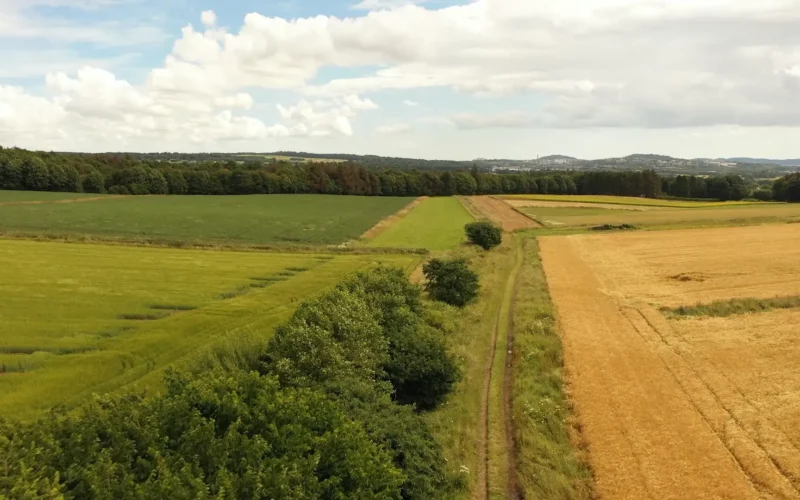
[500, 212]
[575, 204]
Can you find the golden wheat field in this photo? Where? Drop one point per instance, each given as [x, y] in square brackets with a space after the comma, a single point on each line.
[706, 407]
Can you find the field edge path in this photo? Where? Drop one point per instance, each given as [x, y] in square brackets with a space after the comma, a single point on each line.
[495, 458]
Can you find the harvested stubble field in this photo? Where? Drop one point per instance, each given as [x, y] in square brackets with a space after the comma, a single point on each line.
[80, 319]
[682, 408]
[255, 219]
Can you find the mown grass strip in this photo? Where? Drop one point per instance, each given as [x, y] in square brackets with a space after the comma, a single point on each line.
[238, 292]
[550, 464]
[172, 307]
[142, 316]
[725, 308]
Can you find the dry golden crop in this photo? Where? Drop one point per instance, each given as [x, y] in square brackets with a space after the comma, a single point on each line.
[682, 408]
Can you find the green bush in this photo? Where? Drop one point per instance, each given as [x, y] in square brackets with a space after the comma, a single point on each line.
[312, 413]
[118, 190]
[420, 369]
[451, 281]
[220, 435]
[484, 234]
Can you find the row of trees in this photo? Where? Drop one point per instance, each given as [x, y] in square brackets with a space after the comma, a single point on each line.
[331, 407]
[725, 188]
[122, 174]
[787, 188]
[25, 170]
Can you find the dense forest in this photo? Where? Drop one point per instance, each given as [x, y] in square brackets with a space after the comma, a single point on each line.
[125, 174]
[331, 407]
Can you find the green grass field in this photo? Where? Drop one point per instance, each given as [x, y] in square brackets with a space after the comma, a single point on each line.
[435, 224]
[626, 200]
[15, 196]
[80, 319]
[259, 219]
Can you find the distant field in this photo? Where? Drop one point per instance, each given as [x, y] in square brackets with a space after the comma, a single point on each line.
[13, 196]
[435, 224]
[289, 158]
[626, 200]
[78, 319]
[733, 214]
[300, 219]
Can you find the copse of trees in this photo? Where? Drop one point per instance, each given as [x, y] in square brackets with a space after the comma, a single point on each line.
[328, 408]
[484, 234]
[787, 188]
[724, 188]
[451, 281]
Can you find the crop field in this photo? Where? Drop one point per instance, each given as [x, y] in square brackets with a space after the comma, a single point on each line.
[708, 406]
[626, 200]
[435, 224]
[79, 319]
[258, 219]
[587, 215]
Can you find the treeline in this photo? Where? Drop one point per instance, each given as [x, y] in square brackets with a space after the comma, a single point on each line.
[122, 174]
[725, 188]
[787, 188]
[331, 407]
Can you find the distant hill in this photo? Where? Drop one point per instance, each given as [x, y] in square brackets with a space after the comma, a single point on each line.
[648, 157]
[556, 157]
[767, 161]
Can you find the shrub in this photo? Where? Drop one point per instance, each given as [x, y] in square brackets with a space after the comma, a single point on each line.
[421, 370]
[118, 190]
[762, 195]
[484, 234]
[451, 281]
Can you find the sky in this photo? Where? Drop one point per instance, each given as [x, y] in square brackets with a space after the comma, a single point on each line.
[446, 79]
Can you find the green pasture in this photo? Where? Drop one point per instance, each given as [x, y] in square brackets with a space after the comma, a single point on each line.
[435, 224]
[257, 219]
[79, 319]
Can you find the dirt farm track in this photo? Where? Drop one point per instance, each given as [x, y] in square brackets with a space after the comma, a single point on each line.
[682, 408]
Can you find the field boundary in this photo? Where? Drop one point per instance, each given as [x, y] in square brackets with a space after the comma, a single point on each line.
[387, 221]
[67, 200]
[91, 239]
[494, 456]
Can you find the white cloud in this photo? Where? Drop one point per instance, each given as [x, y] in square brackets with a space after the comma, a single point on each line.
[411, 104]
[356, 102]
[384, 4]
[511, 119]
[571, 64]
[396, 128]
[19, 20]
[208, 18]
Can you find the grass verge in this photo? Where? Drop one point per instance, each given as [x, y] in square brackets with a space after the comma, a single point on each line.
[550, 463]
[457, 425]
[724, 308]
